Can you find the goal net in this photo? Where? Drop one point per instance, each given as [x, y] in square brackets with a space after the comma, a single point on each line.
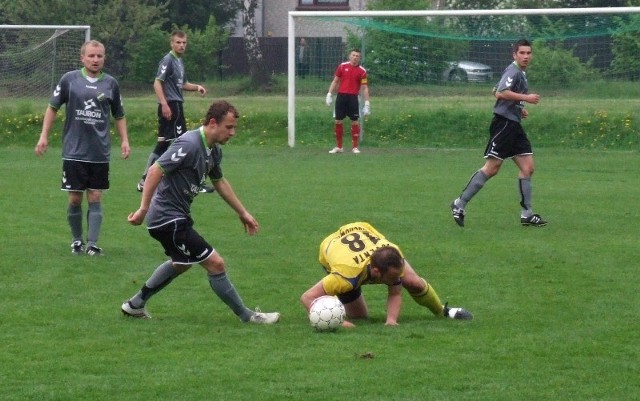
[453, 53]
[33, 57]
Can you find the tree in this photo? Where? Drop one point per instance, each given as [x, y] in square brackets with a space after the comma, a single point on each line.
[260, 78]
[196, 13]
[116, 23]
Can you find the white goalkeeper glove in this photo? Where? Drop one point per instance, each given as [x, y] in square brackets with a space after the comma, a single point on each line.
[329, 99]
[366, 110]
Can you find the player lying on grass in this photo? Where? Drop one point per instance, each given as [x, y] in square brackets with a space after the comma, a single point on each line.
[357, 254]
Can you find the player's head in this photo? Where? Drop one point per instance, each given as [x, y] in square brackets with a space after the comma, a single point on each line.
[178, 42]
[522, 53]
[354, 56]
[388, 261]
[92, 57]
[220, 122]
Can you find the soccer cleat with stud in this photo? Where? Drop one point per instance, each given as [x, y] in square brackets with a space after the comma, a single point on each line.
[140, 185]
[93, 250]
[355, 151]
[139, 313]
[533, 220]
[458, 214]
[336, 150]
[264, 317]
[77, 248]
[456, 313]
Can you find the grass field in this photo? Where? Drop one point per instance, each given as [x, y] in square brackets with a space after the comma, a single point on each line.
[555, 311]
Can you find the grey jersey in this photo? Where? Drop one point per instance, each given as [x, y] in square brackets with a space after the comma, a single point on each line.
[515, 80]
[186, 165]
[86, 135]
[171, 73]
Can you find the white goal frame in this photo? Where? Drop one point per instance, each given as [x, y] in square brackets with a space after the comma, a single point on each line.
[85, 28]
[291, 67]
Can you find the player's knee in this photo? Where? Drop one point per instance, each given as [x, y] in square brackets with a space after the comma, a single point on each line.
[214, 264]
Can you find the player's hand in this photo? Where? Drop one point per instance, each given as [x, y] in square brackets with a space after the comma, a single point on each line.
[41, 147]
[125, 150]
[366, 110]
[201, 90]
[166, 111]
[533, 98]
[348, 324]
[524, 113]
[250, 224]
[136, 218]
[329, 99]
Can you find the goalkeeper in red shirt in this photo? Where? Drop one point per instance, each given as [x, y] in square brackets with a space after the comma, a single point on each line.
[350, 77]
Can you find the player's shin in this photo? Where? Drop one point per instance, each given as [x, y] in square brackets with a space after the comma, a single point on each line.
[429, 298]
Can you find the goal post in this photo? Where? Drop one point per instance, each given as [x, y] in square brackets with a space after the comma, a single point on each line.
[33, 57]
[459, 52]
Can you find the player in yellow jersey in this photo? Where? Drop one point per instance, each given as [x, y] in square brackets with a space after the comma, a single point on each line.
[357, 254]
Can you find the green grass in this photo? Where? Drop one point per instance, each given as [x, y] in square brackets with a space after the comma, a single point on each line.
[555, 308]
[597, 116]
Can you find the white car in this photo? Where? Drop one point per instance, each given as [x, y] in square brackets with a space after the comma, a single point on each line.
[467, 71]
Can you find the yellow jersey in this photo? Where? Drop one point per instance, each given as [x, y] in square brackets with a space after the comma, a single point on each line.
[346, 254]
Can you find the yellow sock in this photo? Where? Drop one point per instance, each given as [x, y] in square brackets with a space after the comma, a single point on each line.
[430, 299]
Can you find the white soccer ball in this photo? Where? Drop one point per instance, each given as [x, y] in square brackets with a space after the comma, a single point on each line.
[327, 313]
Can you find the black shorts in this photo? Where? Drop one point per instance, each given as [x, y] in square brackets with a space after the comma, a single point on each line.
[80, 176]
[171, 129]
[182, 243]
[350, 296]
[507, 139]
[347, 106]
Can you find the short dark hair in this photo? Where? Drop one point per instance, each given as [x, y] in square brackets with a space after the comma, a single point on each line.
[178, 33]
[385, 258]
[521, 42]
[218, 110]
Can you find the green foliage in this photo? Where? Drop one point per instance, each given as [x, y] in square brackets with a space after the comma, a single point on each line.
[196, 13]
[201, 57]
[554, 65]
[626, 47]
[146, 52]
[116, 23]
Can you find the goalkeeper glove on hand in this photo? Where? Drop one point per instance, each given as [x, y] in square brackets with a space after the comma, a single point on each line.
[329, 99]
[366, 110]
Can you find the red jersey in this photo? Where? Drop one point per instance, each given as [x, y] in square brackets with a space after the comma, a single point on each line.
[351, 78]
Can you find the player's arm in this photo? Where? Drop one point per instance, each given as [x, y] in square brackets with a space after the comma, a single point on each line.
[507, 94]
[159, 90]
[195, 88]
[121, 127]
[47, 122]
[365, 92]
[394, 302]
[332, 87]
[154, 175]
[311, 294]
[225, 191]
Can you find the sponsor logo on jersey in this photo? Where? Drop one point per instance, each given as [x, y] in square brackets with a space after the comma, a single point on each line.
[56, 91]
[88, 112]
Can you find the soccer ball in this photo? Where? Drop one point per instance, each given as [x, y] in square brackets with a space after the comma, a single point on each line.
[327, 313]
